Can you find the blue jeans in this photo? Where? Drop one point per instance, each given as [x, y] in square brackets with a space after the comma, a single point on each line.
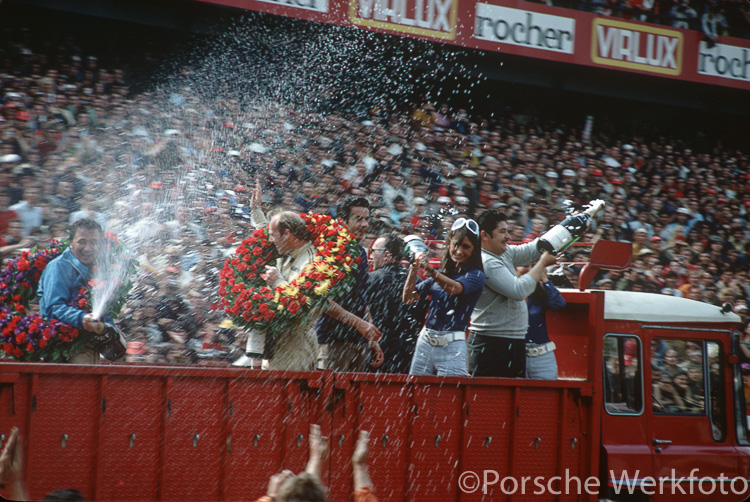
[449, 360]
[542, 367]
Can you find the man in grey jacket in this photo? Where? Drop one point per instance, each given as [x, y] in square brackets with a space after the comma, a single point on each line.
[496, 344]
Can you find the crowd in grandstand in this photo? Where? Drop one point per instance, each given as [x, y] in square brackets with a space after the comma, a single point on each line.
[168, 171]
[711, 17]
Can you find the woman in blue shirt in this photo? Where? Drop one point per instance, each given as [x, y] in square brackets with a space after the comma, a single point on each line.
[453, 292]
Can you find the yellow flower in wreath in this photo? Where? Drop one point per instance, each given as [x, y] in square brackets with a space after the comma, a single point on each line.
[323, 288]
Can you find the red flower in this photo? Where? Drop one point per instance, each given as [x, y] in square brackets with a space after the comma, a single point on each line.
[293, 307]
[257, 251]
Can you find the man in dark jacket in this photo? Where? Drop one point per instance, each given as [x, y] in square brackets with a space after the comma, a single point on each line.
[399, 323]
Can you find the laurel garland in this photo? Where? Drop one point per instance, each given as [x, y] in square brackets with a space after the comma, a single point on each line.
[250, 302]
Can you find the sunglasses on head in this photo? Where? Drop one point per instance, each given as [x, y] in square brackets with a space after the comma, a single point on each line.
[468, 223]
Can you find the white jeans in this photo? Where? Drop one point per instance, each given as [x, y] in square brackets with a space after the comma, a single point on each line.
[448, 360]
[542, 367]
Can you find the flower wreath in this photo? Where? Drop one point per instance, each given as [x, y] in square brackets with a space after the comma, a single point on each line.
[250, 302]
[26, 336]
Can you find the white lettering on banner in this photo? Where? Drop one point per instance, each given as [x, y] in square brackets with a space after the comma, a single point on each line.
[725, 61]
[524, 28]
[316, 5]
[627, 45]
[425, 17]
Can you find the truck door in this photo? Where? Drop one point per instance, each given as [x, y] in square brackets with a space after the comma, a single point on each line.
[624, 428]
[688, 414]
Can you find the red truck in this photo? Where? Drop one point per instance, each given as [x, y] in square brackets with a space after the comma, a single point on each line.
[615, 425]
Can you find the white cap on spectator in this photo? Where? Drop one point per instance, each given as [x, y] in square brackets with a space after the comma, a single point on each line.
[520, 176]
[233, 153]
[684, 210]
[462, 200]
[469, 173]
[568, 172]
[11, 157]
[552, 174]
[444, 200]
[419, 200]
[395, 149]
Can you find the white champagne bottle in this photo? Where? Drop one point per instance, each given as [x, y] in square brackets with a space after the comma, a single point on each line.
[562, 235]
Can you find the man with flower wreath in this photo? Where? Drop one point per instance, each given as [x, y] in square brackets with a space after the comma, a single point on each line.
[64, 277]
[343, 344]
[287, 231]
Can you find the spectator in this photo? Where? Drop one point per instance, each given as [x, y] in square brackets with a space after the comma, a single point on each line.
[28, 209]
[713, 24]
[6, 214]
[13, 240]
[682, 15]
[11, 467]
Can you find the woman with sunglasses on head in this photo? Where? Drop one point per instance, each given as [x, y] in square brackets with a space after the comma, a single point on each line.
[453, 291]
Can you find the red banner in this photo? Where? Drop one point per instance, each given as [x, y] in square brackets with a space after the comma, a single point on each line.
[536, 31]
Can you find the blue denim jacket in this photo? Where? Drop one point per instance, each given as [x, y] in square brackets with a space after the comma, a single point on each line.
[61, 280]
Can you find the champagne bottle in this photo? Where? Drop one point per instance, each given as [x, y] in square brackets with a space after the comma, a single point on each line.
[112, 344]
[562, 235]
[415, 248]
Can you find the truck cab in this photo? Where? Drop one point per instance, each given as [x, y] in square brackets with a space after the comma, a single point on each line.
[672, 406]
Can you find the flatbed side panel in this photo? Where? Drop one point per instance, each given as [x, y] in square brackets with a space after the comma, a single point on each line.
[181, 434]
[62, 431]
[488, 424]
[435, 447]
[193, 439]
[130, 436]
[296, 420]
[384, 410]
[256, 409]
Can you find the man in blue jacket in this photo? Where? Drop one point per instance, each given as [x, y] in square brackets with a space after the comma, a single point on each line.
[64, 277]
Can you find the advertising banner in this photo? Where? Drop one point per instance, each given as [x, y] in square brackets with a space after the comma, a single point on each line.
[536, 31]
